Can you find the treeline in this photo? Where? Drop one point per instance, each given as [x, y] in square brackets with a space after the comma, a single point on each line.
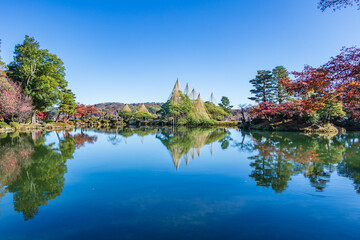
[326, 94]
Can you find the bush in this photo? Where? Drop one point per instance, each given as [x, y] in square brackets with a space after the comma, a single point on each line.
[43, 124]
[114, 121]
[3, 135]
[4, 125]
[312, 119]
[15, 125]
[93, 119]
[14, 134]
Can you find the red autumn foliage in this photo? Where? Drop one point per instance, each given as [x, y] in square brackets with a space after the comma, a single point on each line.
[339, 78]
[286, 110]
[43, 115]
[14, 104]
[83, 110]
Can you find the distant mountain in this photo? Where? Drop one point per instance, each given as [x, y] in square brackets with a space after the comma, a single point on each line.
[112, 107]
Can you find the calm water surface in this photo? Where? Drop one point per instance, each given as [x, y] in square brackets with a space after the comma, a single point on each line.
[179, 184]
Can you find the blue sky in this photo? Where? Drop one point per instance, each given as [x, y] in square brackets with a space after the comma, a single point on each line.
[133, 50]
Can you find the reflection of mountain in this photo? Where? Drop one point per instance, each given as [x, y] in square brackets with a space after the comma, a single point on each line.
[282, 155]
[33, 171]
[188, 142]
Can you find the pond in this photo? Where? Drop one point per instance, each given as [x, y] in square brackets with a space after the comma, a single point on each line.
[183, 183]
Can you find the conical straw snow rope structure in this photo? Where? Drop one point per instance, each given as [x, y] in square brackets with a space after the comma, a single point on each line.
[143, 108]
[193, 94]
[126, 108]
[212, 98]
[200, 109]
[187, 90]
[175, 96]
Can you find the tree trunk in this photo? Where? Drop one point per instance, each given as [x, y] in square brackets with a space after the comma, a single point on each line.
[33, 117]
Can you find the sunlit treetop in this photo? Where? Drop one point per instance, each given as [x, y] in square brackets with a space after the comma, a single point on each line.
[337, 4]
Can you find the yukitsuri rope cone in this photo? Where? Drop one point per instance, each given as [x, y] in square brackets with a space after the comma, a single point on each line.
[187, 90]
[143, 108]
[212, 99]
[200, 109]
[175, 96]
[126, 108]
[193, 95]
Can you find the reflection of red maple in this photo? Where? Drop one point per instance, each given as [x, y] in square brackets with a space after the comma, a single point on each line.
[11, 160]
[268, 149]
[81, 139]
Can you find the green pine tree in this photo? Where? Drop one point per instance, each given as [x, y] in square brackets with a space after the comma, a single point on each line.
[263, 85]
[278, 73]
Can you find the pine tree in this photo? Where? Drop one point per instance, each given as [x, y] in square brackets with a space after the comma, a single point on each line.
[280, 93]
[263, 87]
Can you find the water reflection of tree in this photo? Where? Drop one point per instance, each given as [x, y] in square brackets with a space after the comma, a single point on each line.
[188, 143]
[283, 155]
[34, 171]
[350, 165]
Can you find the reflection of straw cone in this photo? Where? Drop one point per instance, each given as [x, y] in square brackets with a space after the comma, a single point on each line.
[142, 140]
[211, 149]
[199, 151]
[176, 154]
[187, 159]
[193, 153]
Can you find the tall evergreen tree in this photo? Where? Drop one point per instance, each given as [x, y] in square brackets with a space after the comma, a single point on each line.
[280, 93]
[40, 73]
[67, 103]
[263, 87]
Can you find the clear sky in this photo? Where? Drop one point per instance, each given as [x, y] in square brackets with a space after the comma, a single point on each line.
[133, 50]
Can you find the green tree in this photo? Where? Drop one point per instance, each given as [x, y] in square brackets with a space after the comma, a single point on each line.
[182, 110]
[142, 115]
[41, 74]
[225, 104]
[67, 103]
[332, 108]
[263, 85]
[280, 93]
[216, 112]
[40, 181]
[126, 115]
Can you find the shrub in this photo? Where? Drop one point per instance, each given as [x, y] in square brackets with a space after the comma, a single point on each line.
[93, 119]
[14, 134]
[4, 125]
[3, 135]
[312, 119]
[114, 121]
[15, 125]
[43, 124]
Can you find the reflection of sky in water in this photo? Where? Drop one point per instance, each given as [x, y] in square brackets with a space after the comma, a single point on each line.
[128, 188]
